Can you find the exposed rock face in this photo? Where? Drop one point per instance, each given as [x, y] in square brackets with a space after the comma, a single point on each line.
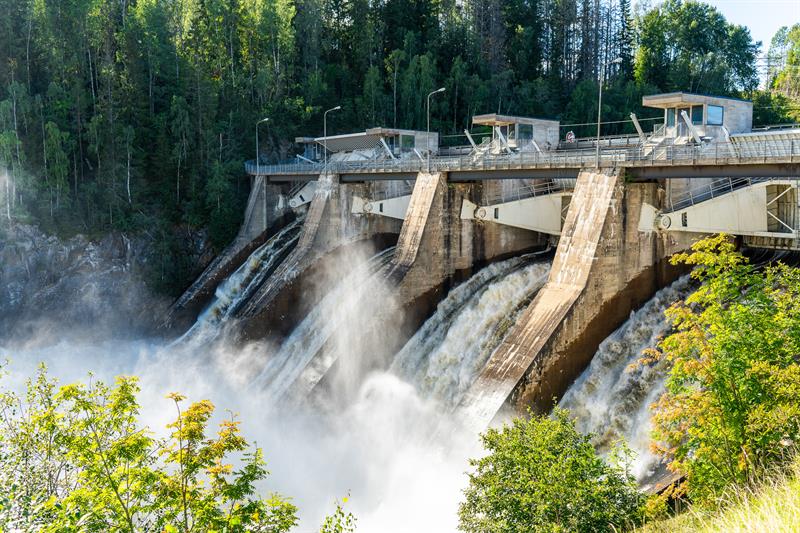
[87, 287]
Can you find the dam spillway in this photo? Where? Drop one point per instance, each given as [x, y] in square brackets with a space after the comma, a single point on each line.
[609, 259]
[611, 399]
[497, 282]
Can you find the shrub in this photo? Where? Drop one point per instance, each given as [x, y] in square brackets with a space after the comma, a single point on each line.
[732, 401]
[76, 458]
[542, 475]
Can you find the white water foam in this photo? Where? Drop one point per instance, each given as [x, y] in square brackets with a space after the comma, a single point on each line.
[611, 399]
[447, 352]
[341, 314]
[239, 286]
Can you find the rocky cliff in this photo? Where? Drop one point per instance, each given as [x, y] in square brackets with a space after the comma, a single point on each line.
[88, 287]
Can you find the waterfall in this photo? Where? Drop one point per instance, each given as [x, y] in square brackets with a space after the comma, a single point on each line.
[234, 291]
[611, 398]
[445, 355]
[301, 361]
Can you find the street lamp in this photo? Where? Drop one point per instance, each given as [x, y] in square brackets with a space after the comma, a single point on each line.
[428, 138]
[325, 135]
[615, 61]
[257, 123]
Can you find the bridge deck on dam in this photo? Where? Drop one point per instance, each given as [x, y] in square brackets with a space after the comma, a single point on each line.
[775, 157]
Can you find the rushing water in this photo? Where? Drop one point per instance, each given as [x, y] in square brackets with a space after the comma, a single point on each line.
[306, 355]
[234, 291]
[447, 352]
[611, 398]
[389, 444]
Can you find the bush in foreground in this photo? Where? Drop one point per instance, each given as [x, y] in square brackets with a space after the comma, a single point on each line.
[542, 475]
[772, 505]
[75, 458]
[732, 404]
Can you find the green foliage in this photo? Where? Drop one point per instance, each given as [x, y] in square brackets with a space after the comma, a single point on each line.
[688, 45]
[542, 475]
[772, 107]
[787, 74]
[340, 521]
[76, 458]
[773, 504]
[732, 404]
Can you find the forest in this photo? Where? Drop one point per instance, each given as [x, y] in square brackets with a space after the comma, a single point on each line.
[138, 114]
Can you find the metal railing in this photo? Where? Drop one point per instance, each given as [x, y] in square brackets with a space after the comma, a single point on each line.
[775, 127]
[522, 190]
[715, 189]
[721, 153]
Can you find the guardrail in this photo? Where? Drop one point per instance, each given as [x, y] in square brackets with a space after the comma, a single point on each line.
[715, 189]
[524, 190]
[765, 151]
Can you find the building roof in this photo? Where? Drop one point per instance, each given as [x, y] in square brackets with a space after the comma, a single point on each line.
[494, 119]
[361, 140]
[667, 100]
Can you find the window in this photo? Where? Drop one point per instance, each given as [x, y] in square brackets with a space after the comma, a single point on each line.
[406, 143]
[524, 132]
[671, 117]
[697, 114]
[716, 114]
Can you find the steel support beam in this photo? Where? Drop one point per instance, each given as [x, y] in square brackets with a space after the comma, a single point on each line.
[764, 170]
[378, 176]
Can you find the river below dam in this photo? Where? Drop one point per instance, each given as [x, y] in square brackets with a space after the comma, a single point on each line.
[394, 440]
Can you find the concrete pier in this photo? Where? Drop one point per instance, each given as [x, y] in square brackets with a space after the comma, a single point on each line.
[604, 267]
[267, 212]
[329, 232]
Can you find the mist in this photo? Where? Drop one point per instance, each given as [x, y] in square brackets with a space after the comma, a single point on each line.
[369, 434]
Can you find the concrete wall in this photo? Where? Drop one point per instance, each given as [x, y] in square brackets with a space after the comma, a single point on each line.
[329, 231]
[604, 267]
[439, 249]
[266, 213]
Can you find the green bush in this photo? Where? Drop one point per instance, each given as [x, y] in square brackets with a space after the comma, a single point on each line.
[732, 404]
[542, 475]
[76, 458]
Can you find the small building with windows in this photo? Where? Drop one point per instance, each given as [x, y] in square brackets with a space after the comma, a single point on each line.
[687, 115]
[374, 143]
[520, 133]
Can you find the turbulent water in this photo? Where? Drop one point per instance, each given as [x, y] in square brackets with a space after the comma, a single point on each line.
[234, 291]
[389, 445]
[611, 398]
[306, 355]
[447, 352]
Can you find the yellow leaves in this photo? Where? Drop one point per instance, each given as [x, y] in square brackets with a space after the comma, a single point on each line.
[650, 356]
[219, 468]
[176, 397]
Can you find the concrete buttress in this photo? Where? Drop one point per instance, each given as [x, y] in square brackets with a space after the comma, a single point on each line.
[603, 268]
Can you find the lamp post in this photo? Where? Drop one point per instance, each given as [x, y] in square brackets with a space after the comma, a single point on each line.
[428, 138]
[258, 165]
[325, 136]
[615, 61]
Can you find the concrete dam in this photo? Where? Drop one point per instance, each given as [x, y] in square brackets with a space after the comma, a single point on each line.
[496, 277]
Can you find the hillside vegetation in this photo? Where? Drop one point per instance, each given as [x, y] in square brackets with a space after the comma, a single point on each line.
[138, 115]
[773, 507]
